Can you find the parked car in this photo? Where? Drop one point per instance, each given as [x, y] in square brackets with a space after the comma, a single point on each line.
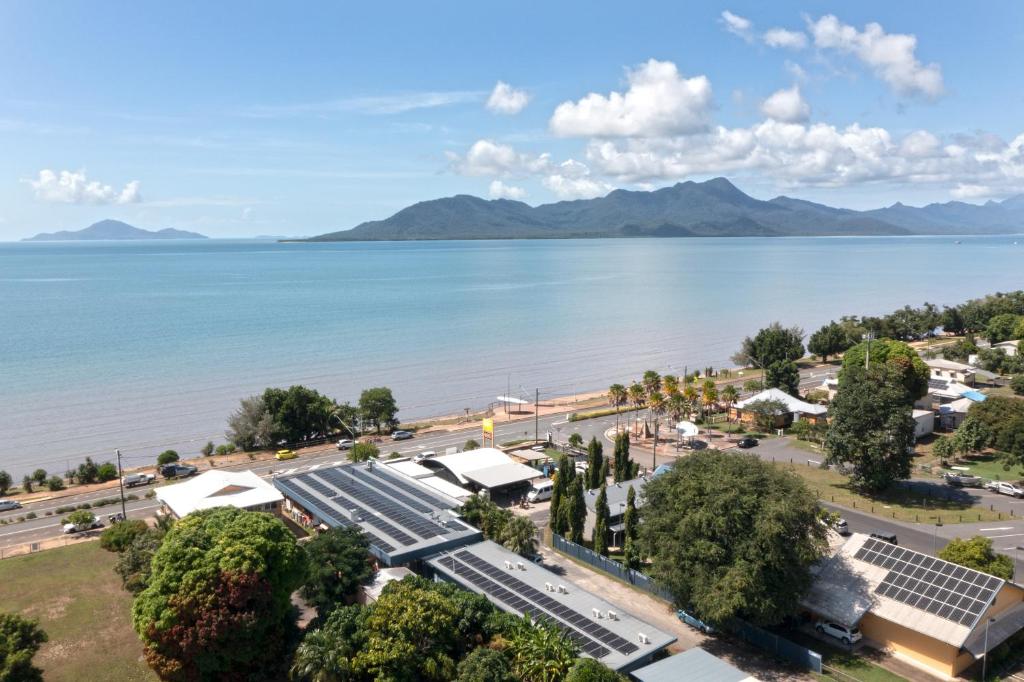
[747, 442]
[401, 435]
[346, 444]
[285, 454]
[7, 505]
[426, 454]
[884, 536]
[1004, 488]
[177, 470]
[846, 635]
[132, 480]
[69, 528]
[694, 622]
[841, 527]
[541, 491]
[958, 480]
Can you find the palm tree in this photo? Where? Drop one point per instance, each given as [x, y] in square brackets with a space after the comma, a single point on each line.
[520, 535]
[677, 406]
[651, 381]
[637, 396]
[729, 396]
[670, 385]
[657, 403]
[318, 659]
[541, 652]
[617, 396]
[690, 396]
[708, 396]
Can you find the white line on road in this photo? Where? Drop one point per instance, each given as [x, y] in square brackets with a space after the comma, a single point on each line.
[986, 530]
[1010, 535]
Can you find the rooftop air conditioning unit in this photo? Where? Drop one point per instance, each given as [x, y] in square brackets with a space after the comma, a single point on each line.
[549, 587]
[562, 589]
[508, 565]
[612, 615]
[644, 639]
[596, 612]
[520, 566]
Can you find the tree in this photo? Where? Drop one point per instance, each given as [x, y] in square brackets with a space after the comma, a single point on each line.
[218, 603]
[485, 665]
[773, 344]
[971, 436]
[167, 457]
[595, 460]
[752, 385]
[55, 483]
[120, 535]
[831, 339]
[631, 548]
[378, 406]
[251, 426]
[338, 563]
[1001, 419]
[603, 474]
[637, 398]
[977, 553]
[326, 654]
[1017, 384]
[651, 382]
[106, 472]
[26, 483]
[708, 396]
[871, 427]
[944, 448]
[299, 413]
[470, 445]
[360, 452]
[559, 495]
[519, 535]
[20, 639]
[765, 412]
[670, 384]
[730, 535]
[575, 440]
[39, 476]
[783, 374]
[1002, 327]
[729, 396]
[617, 397]
[576, 511]
[541, 652]
[81, 517]
[135, 561]
[208, 449]
[87, 472]
[900, 359]
[591, 670]
[601, 523]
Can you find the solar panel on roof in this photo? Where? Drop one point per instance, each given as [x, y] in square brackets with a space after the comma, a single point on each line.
[335, 519]
[415, 490]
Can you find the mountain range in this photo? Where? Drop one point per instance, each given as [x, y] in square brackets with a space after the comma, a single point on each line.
[715, 208]
[112, 230]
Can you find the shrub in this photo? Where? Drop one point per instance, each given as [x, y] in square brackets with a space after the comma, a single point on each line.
[55, 483]
[106, 472]
[120, 535]
[1017, 384]
[65, 509]
[167, 457]
[84, 505]
[226, 449]
[39, 476]
[30, 515]
[361, 452]
[208, 449]
[81, 517]
[470, 445]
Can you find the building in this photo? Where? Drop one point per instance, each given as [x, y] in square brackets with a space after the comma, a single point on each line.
[953, 371]
[518, 586]
[794, 409]
[952, 415]
[371, 593]
[945, 390]
[219, 488]
[427, 477]
[404, 520]
[924, 423]
[617, 493]
[934, 614]
[694, 665]
[484, 470]
[1008, 347]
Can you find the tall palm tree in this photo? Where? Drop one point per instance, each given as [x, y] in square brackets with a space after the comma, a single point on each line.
[637, 396]
[651, 381]
[708, 396]
[520, 535]
[729, 396]
[541, 652]
[670, 385]
[617, 396]
[656, 401]
[677, 407]
[690, 396]
[318, 659]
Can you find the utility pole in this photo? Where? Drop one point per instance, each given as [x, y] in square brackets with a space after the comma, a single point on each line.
[120, 483]
[867, 355]
[536, 414]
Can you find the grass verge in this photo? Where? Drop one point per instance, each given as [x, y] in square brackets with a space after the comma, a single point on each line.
[77, 598]
[897, 503]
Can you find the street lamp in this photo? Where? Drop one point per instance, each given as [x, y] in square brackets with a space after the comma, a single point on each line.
[869, 337]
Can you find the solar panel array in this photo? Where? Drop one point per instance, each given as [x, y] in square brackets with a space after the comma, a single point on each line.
[336, 517]
[416, 491]
[938, 383]
[939, 587]
[593, 638]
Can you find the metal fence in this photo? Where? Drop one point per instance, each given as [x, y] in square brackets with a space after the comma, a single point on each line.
[780, 647]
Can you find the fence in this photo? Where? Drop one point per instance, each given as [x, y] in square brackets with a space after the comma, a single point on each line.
[780, 647]
[33, 547]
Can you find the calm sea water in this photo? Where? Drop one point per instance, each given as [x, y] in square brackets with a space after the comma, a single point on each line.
[145, 346]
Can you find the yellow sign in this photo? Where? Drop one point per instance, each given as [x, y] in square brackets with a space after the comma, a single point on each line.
[488, 426]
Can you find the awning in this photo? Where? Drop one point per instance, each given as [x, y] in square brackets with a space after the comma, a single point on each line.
[511, 401]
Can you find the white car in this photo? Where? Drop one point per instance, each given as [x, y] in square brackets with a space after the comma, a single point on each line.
[1006, 489]
[7, 505]
[426, 454]
[79, 528]
[346, 444]
[846, 635]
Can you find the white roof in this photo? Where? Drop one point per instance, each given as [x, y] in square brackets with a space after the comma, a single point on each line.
[948, 389]
[1004, 344]
[218, 488]
[471, 465]
[383, 577]
[792, 404]
[449, 489]
[410, 468]
[687, 429]
[502, 474]
[939, 363]
[923, 413]
[961, 406]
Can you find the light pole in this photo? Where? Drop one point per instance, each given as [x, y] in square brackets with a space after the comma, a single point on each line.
[869, 337]
[120, 482]
[1016, 557]
[984, 661]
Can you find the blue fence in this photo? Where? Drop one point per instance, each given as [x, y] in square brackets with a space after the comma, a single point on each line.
[780, 647]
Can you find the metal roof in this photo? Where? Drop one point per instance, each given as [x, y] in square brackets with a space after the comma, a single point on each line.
[519, 586]
[792, 404]
[502, 474]
[218, 488]
[488, 467]
[617, 493]
[403, 519]
[695, 665]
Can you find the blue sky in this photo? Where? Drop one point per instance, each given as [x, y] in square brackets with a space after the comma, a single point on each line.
[239, 119]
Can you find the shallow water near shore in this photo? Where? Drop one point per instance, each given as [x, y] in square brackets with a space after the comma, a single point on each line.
[145, 346]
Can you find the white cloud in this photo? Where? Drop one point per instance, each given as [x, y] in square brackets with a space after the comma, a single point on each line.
[786, 105]
[368, 104]
[659, 101]
[737, 25]
[489, 158]
[572, 180]
[781, 37]
[499, 190]
[505, 99]
[890, 55]
[73, 187]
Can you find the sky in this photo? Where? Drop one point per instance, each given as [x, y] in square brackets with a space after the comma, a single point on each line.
[239, 119]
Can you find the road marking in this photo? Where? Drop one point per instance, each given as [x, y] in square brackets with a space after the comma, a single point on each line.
[986, 530]
[290, 471]
[315, 467]
[1010, 535]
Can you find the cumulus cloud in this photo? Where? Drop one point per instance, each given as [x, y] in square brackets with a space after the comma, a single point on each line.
[786, 105]
[737, 25]
[73, 187]
[892, 56]
[659, 101]
[490, 158]
[499, 190]
[781, 37]
[572, 180]
[505, 99]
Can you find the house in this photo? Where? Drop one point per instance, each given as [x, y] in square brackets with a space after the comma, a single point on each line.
[954, 371]
[952, 415]
[945, 390]
[219, 488]
[793, 409]
[694, 665]
[924, 423]
[1008, 347]
[483, 470]
[931, 613]
[617, 494]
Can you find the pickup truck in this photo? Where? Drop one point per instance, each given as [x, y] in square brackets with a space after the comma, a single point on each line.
[132, 480]
[958, 480]
[1004, 488]
[69, 528]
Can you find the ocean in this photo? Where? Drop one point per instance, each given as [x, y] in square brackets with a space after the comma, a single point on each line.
[145, 346]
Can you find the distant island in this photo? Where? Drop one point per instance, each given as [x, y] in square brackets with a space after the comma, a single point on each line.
[112, 230]
[715, 208]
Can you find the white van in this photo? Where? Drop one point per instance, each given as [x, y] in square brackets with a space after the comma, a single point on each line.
[541, 491]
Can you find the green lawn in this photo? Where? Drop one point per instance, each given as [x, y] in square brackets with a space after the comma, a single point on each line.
[850, 666]
[990, 467]
[77, 598]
